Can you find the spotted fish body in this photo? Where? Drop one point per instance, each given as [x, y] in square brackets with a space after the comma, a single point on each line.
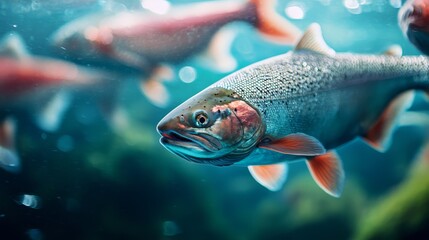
[333, 99]
[299, 105]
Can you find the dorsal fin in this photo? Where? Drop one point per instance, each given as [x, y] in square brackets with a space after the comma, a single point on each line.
[313, 40]
[12, 45]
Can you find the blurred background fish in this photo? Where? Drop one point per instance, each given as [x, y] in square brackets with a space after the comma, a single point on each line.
[414, 22]
[38, 84]
[145, 40]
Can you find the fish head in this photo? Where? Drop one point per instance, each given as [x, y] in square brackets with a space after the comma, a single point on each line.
[80, 37]
[215, 126]
[415, 15]
[72, 42]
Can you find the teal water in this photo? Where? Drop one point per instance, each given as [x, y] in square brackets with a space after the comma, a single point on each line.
[88, 180]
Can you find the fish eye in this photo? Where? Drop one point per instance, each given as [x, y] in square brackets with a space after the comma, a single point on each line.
[201, 118]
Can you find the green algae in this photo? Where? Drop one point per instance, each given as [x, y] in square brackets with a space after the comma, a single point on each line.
[404, 213]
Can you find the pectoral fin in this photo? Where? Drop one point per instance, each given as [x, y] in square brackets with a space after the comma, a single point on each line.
[298, 144]
[50, 114]
[270, 176]
[379, 135]
[217, 56]
[154, 90]
[328, 172]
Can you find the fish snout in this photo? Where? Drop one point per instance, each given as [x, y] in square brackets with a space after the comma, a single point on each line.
[162, 127]
[168, 124]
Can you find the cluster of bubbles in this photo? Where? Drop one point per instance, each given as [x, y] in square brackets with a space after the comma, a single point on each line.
[156, 6]
[28, 200]
[359, 6]
[297, 9]
[187, 74]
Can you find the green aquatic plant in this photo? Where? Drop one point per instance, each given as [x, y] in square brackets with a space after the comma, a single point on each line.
[302, 211]
[404, 213]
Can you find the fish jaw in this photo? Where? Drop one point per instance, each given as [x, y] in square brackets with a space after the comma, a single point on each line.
[191, 145]
[216, 127]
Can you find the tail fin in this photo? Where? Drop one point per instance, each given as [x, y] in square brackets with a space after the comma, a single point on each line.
[272, 25]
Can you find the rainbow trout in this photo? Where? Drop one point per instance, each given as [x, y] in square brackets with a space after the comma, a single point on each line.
[300, 105]
[145, 41]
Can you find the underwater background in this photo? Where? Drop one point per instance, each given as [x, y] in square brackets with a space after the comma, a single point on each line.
[87, 180]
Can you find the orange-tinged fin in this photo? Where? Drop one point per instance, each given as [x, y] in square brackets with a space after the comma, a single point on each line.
[218, 55]
[7, 133]
[272, 25]
[270, 176]
[380, 133]
[9, 160]
[298, 144]
[154, 90]
[328, 172]
[164, 73]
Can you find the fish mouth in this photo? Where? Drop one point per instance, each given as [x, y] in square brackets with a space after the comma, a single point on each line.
[192, 150]
[193, 144]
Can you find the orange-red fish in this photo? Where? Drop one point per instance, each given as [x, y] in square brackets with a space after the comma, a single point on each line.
[39, 84]
[144, 40]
